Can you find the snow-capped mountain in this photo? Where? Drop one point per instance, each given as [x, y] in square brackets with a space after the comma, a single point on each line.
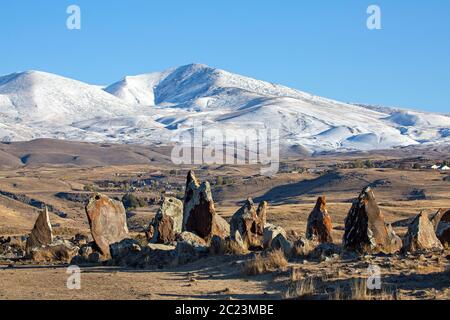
[157, 107]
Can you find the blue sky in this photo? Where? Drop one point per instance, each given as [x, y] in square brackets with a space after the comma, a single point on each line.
[319, 46]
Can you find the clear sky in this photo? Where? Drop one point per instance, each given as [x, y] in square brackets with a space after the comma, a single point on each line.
[318, 46]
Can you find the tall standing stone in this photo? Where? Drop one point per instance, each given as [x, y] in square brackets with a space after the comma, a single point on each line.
[199, 214]
[442, 224]
[41, 235]
[421, 236]
[168, 221]
[247, 224]
[319, 224]
[108, 222]
[366, 230]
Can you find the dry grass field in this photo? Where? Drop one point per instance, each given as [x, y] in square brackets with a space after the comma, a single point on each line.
[401, 193]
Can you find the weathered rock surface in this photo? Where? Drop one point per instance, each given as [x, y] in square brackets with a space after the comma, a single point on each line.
[12, 247]
[443, 229]
[366, 230]
[168, 221]
[59, 250]
[319, 224]
[270, 233]
[199, 214]
[191, 238]
[280, 242]
[129, 253]
[41, 234]
[247, 224]
[421, 236]
[107, 219]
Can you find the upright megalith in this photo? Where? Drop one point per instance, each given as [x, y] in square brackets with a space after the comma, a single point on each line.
[41, 235]
[421, 236]
[319, 224]
[441, 221]
[366, 230]
[247, 224]
[108, 222]
[168, 221]
[199, 214]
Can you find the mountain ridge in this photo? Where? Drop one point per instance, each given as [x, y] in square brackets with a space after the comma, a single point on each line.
[158, 107]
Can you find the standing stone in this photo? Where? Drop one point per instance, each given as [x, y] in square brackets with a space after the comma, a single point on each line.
[443, 228]
[108, 222]
[365, 228]
[247, 224]
[41, 235]
[168, 221]
[421, 236]
[436, 218]
[199, 214]
[319, 223]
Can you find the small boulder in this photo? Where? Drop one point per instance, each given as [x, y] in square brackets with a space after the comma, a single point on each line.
[168, 221]
[199, 214]
[280, 242]
[41, 235]
[107, 220]
[191, 238]
[270, 233]
[58, 251]
[247, 224]
[319, 223]
[366, 230]
[421, 236]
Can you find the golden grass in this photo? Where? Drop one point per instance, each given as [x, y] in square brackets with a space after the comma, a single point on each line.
[272, 261]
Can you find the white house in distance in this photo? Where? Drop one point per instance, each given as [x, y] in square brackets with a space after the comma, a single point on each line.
[435, 167]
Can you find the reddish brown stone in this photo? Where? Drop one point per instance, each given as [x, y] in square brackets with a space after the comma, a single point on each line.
[319, 223]
[199, 214]
[366, 230]
[421, 236]
[108, 222]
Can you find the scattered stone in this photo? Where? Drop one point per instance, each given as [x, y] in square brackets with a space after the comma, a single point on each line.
[85, 251]
[199, 214]
[12, 247]
[41, 235]
[80, 240]
[366, 230]
[187, 252]
[192, 239]
[94, 258]
[128, 253]
[107, 219]
[270, 232]
[326, 250]
[167, 222]
[247, 225]
[421, 236]
[59, 250]
[280, 242]
[319, 223]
